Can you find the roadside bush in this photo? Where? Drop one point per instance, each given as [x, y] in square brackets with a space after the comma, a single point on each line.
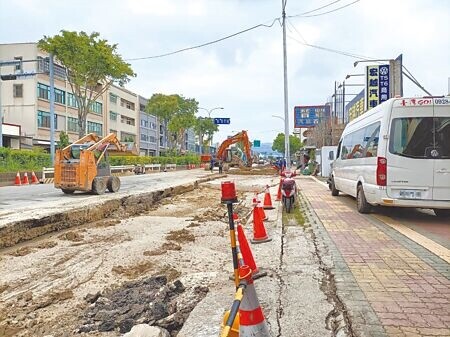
[142, 160]
[23, 160]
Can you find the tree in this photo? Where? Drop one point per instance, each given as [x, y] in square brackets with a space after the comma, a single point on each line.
[178, 114]
[202, 127]
[63, 140]
[92, 65]
[294, 143]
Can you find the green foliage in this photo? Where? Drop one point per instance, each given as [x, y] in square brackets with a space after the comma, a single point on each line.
[142, 160]
[178, 113]
[294, 143]
[63, 140]
[205, 127]
[23, 160]
[93, 66]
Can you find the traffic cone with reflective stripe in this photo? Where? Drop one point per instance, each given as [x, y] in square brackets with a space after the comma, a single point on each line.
[267, 199]
[259, 231]
[247, 254]
[34, 179]
[17, 182]
[261, 211]
[25, 179]
[251, 318]
[279, 191]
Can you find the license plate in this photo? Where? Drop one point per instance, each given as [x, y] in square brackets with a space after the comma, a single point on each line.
[408, 194]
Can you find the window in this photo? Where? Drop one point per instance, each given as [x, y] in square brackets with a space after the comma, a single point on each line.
[113, 131]
[420, 137]
[113, 98]
[127, 137]
[361, 143]
[43, 66]
[96, 108]
[152, 139]
[60, 96]
[95, 127]
[18, 90]
[127, 120]
[143, 137]
[72, 124]
[43, 91]
[126, 104]
[152, 125]
[142, 107]
[43, 119]
[113, 115]
[18, 67]
[71, 100]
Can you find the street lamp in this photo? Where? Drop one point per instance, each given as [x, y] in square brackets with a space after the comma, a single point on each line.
[209, 111]
[286, 142]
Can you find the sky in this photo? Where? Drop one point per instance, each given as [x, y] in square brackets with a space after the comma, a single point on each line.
[244, 74]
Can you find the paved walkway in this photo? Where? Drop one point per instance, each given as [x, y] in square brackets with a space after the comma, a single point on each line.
[390, 285]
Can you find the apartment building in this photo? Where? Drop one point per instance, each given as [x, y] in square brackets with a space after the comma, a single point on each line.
[148, 131]
[123, 115]
[25, 100]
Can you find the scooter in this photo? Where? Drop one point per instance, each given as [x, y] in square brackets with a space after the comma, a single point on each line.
[288, 190]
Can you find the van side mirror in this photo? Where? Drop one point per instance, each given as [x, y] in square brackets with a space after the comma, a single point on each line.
[331, 155]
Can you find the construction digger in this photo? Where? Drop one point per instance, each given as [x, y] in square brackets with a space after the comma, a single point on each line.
[226, 155]
[84, 165]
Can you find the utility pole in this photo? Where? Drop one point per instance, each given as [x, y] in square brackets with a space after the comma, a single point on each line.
[52, 109]
[286, 113]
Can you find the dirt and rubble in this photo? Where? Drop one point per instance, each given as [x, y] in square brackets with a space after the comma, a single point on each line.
[179, 246]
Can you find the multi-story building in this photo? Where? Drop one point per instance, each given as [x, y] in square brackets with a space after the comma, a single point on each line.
[123, 114]
[148, 135]
[25, 100]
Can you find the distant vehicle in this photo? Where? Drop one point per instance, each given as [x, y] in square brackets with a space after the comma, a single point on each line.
[397, 154]
[325, 157]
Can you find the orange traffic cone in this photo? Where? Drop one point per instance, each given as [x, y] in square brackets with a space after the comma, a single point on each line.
[261, 210]
[279, 191]
[17, 182]
[267, 199]
[25, 179]
[259, 231]
[247, 254]
[251, 318]
[34, 179]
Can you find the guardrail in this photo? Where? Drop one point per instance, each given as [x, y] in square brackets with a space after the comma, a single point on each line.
[119, 168]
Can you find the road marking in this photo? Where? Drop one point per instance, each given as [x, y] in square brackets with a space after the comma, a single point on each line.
[425, 242]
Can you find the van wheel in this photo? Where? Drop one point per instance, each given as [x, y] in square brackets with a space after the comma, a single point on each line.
[442, 213]
[66, 191]
[334, 191]
[361, 202]
[99, 185]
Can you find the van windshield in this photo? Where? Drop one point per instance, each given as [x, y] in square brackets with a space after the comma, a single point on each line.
[421, 137]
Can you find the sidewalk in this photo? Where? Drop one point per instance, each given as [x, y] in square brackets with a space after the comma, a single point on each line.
[388, 284]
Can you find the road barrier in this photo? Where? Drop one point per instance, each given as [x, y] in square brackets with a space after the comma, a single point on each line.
[121, 169]
[230, 326]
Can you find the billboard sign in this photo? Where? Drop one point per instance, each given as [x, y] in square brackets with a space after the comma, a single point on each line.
[308, 116]
[221, 121]
[377, 85]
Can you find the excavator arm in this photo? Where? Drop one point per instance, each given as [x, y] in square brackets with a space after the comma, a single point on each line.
[239, 137]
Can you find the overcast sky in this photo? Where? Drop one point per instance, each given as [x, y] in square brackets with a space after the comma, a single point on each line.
[244, 74]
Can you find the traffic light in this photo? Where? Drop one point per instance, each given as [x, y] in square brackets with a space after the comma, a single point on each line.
[8, 77]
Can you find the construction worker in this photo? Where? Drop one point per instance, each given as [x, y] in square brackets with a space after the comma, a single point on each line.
[211, 165]
[220, 166]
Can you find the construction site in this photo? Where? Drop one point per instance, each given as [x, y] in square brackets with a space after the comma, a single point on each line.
[160, 258]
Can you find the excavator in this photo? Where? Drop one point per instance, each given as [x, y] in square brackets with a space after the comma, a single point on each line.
[225, 154]
[84, 165]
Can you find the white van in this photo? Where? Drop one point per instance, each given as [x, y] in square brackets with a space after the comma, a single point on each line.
[397, 154]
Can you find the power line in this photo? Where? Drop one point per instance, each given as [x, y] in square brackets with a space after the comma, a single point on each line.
[299, 34]
[207, 43]
[314, 10]
[331, 11]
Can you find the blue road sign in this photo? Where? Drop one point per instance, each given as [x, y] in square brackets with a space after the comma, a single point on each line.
[221, 121]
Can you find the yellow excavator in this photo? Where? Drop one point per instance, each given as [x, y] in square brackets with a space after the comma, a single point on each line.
[84, 165]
